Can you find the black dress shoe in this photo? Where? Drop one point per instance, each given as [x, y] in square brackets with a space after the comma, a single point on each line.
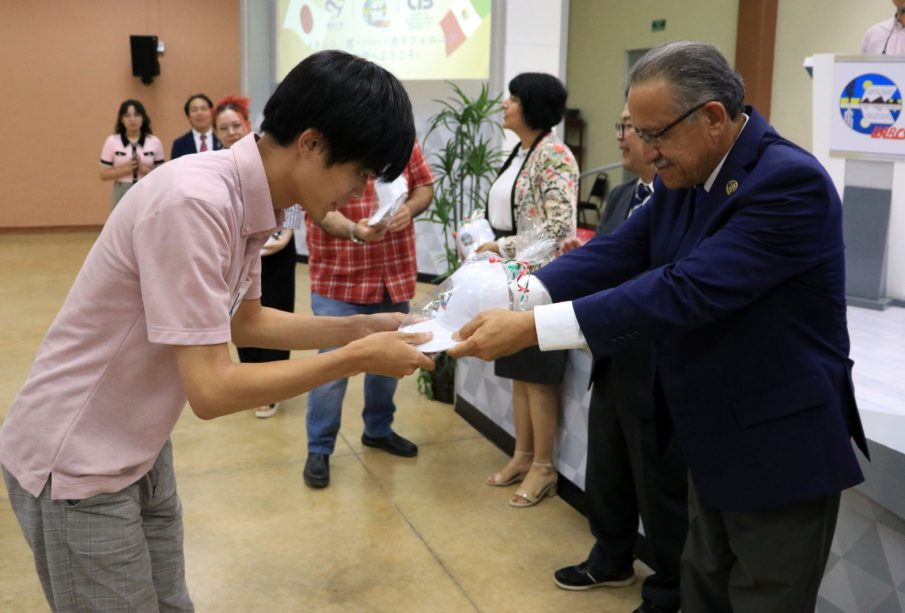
[317, 470]
[578, 578]
[648, 607]
[392, 443]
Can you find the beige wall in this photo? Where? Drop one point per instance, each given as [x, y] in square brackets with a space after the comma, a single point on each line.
[602, 31]
[65, 67]
[600, 34]
[805, 27]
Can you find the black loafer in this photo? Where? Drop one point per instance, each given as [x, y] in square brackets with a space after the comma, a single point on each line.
[578, 578]
[317, 470]
[392, 443]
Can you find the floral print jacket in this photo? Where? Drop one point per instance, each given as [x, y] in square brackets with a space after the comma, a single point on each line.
[546, 192]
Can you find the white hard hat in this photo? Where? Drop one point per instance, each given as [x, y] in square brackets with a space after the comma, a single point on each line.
[477, 286]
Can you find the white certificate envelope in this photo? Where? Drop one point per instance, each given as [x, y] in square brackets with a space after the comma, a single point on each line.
[390, 197]
[442, 336]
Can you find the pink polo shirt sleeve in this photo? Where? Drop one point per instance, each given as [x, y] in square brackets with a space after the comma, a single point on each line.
[183, 254]
[155, 148]
[109, 149]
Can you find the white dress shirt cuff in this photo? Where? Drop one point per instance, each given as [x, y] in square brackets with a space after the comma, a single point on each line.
[528, 292]
[557, 327]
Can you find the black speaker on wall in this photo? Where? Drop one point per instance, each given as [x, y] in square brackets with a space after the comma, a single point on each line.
[144, 57]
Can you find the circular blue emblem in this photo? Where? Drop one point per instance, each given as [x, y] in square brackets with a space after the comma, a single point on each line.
[870, 101]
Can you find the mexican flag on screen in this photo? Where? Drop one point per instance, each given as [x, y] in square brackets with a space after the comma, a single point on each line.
[461, 21]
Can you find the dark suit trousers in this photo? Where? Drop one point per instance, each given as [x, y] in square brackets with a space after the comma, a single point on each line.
[628, 475]
[756, 561]
[277, 292]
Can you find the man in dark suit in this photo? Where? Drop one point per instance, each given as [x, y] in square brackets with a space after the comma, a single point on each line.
[199, 111]
[735, 269]
[627, 473]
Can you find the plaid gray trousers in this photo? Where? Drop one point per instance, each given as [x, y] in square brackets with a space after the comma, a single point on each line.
[110, 552]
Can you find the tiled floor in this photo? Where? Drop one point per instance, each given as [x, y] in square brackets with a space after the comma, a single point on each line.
[389, 534]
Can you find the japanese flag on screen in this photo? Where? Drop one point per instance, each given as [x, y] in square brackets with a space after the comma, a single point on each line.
[308, 20]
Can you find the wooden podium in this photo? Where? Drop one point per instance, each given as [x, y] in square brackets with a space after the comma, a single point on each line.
[859, 136]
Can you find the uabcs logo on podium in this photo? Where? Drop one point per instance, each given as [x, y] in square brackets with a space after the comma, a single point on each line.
[871, 104]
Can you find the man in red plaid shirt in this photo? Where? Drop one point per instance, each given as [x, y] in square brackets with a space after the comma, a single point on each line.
[359, 268]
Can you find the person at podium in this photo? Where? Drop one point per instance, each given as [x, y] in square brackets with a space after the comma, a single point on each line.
[888, 36]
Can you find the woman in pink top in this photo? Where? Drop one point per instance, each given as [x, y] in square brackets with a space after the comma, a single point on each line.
[278, 254]
[132, 152]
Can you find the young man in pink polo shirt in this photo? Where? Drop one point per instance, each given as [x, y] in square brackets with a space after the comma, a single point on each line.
[173, 277]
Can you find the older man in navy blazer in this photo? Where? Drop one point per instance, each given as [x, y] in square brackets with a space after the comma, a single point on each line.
[735, 269]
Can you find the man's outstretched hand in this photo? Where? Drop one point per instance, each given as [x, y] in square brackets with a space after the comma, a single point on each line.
[495, 333]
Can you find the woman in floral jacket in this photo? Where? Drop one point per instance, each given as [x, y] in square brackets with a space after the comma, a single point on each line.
[533, 198]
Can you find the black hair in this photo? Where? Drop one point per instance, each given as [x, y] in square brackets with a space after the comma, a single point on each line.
[361, 109]
[188, 102]
[542, 98]
[120, 128]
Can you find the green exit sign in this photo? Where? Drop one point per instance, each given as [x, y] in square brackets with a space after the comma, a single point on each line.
[658, 25]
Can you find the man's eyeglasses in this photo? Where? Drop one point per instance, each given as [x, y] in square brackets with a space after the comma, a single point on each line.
[655, 139]
[621, 127]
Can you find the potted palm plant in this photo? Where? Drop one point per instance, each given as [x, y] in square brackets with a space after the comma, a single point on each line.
[464, 168]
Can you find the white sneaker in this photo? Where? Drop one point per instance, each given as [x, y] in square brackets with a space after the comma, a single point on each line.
[268, 410]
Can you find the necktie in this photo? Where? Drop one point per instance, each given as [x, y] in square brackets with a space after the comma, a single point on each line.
[699, 194]
[642, 193]
[203, 143]
[134, 170]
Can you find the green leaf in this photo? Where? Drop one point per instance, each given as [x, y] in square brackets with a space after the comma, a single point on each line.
[467, 164]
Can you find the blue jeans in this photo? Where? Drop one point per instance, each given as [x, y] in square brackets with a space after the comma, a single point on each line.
[325, 402]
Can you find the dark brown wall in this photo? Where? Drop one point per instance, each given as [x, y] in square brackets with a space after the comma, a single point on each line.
[754, 48]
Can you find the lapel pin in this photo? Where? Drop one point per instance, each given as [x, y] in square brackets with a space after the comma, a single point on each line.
[731, 186]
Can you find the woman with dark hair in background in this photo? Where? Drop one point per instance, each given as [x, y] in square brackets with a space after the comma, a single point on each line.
[132, 152]
[278, 255]
[537, 190]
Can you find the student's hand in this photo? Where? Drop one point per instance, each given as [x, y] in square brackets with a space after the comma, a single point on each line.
[381, 322]
[489, 246]
[370, 234]
[401, 219]
[495, 333]
[392, 354]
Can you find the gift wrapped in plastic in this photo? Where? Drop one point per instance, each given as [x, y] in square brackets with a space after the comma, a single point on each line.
[390, 197]
[472, 234]
[480, 284]
[532, 244]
